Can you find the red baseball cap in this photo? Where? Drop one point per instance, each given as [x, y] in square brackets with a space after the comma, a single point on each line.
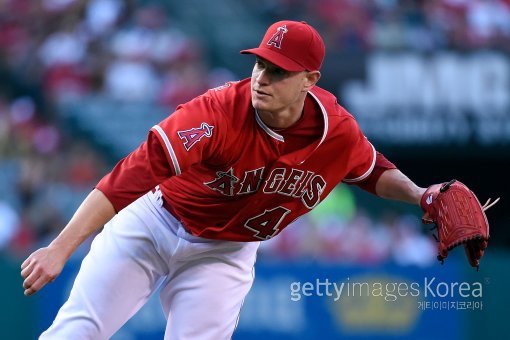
[291, 45]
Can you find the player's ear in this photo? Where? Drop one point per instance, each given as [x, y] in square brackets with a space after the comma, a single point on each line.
[312, 78]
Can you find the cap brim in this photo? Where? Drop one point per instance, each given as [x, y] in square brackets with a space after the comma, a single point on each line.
[275, 58]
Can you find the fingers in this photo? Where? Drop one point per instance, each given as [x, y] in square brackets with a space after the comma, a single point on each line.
[27, 269]
[36, 286]
[26, 262]
[35, 280]
[31, 278]
[37, 271]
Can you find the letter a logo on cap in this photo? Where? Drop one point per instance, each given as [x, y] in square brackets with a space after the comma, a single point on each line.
[276, 39]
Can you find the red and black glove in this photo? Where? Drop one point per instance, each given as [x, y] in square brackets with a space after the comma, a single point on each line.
[459, 217]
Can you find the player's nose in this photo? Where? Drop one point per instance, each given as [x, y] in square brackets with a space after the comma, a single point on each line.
[262, 77]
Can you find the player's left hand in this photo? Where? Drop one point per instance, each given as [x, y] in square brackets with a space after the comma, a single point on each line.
[459, 217]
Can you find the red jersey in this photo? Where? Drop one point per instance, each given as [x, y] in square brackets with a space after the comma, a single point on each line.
[226, 175]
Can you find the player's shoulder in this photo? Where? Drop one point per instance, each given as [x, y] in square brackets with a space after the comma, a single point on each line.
[233, 97]
[330, 103]
[341, 123]
[231, 87]
[322, 93]
[223, 100]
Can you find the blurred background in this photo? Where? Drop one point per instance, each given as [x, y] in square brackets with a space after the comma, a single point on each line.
[81, 82]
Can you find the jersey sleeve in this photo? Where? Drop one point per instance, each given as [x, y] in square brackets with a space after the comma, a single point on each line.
[136, 174]
[195, 132]
[381, 165]
[362, 155]
[192, 134]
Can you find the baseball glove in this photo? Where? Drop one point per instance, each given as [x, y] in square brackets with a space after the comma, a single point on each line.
[459, 218]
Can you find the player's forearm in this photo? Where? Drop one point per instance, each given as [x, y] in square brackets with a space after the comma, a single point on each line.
[93, 213]
[393, 184]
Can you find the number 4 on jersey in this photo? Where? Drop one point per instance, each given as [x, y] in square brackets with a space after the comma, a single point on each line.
[266, 224]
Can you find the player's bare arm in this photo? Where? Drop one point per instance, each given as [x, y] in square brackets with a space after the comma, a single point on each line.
[393, 184]
[45, 264]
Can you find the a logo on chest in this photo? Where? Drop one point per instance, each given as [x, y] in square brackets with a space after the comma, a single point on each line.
[296, 183]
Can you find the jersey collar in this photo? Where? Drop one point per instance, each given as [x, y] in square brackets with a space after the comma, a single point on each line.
[267, 129]
[299, 156]
[278, 137]
[324, 116]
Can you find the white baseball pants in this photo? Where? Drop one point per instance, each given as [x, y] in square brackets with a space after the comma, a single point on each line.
[204, 282]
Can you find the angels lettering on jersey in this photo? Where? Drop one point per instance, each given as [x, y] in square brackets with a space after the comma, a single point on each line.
[296, 183]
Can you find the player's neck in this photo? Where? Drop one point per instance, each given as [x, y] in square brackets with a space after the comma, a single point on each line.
[282, 119]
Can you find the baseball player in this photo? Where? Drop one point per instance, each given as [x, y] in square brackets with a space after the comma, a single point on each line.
[187, 209]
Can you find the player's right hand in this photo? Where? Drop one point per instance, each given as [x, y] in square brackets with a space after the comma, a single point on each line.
[41, 267]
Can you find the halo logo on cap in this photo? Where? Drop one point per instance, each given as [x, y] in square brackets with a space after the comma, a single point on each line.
[276, 39]
[294, 46]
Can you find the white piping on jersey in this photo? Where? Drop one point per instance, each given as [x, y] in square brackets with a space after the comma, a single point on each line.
[266, 128]
[279, 137]
[325, 115]
[367, 173]
[169, 148]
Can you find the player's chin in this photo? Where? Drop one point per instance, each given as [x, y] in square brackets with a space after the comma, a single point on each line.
[261, 105]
